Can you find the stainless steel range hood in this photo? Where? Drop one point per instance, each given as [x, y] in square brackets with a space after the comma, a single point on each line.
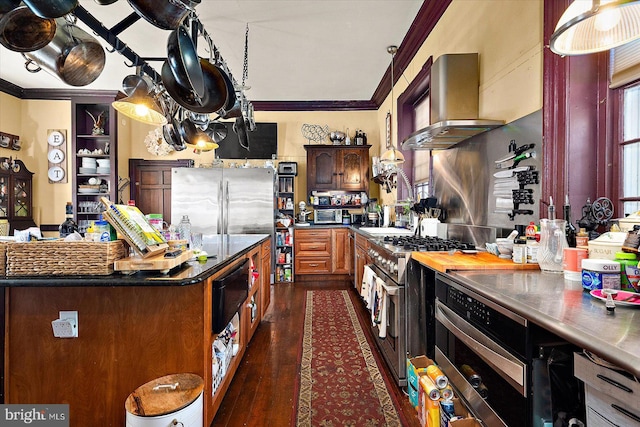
[454, 105]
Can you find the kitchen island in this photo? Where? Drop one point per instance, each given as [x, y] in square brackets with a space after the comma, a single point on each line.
[132, 328]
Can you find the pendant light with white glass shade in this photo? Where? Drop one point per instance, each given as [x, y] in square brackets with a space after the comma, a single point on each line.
[589, 26]
[391, 156]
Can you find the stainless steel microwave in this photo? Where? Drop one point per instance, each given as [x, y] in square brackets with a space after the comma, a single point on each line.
[327, 216]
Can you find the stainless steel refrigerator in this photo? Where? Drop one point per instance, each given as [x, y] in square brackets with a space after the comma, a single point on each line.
[224, 202]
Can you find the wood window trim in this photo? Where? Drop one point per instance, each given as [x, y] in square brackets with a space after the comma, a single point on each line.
[417, 90]
[577, 123]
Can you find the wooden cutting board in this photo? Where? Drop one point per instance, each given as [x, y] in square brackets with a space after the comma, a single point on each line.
[442, 261]
[157, 262]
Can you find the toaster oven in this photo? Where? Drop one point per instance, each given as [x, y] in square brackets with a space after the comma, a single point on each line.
[327, 216]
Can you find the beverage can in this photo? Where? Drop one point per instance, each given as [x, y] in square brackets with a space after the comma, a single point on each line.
[436, 375]
[429, 387]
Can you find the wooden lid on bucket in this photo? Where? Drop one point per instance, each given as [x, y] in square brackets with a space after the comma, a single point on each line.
[164, 395]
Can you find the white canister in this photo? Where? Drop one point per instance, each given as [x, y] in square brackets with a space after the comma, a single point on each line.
[386, 215]
[185, 407]
[600, 274]
[429, 227]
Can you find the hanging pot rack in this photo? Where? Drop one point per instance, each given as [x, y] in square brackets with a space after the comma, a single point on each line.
[110, 35]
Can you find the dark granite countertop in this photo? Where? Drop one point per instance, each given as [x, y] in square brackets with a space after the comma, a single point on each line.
[222, 252]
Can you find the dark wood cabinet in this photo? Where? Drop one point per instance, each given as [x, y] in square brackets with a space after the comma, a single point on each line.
[16, 194]
[337, 167]
[151, 184]
[94, 157]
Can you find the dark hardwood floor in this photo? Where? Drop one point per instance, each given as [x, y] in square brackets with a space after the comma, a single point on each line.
[262, 391]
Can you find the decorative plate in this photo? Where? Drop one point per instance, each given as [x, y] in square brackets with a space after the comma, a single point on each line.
[56, 173]
[630, 299]
[55, 138]
[55, 156]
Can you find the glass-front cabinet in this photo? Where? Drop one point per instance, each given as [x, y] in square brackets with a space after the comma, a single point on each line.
[16, 194]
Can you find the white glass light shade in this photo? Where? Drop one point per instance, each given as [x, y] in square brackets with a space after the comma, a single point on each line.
[589, 26]
[392, 156]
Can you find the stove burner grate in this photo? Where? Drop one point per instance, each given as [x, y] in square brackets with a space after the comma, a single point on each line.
[427, 244]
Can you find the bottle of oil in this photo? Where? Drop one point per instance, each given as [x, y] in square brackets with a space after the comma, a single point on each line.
[69, 226]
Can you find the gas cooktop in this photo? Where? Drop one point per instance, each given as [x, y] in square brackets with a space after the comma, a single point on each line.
[426, 244]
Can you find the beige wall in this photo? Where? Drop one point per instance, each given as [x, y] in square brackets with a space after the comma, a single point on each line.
[131, 137]
[506, 33]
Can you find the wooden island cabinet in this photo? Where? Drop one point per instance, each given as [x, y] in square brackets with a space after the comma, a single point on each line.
[322, 251]
[131, 329]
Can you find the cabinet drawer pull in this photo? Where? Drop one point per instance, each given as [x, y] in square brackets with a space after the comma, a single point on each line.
[313, 265]
[626, 412]
[614, 383]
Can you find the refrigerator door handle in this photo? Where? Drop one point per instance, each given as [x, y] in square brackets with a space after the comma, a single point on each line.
[220, 211]
[226, 205]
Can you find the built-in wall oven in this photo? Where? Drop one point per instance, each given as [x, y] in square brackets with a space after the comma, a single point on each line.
[481, 344]
[498, 361]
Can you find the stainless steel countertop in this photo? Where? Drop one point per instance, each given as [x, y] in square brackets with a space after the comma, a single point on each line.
[562, 307]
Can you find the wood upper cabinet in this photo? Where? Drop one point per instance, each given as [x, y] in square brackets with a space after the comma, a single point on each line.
[337, 167]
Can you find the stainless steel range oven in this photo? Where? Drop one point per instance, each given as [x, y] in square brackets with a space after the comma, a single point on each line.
[407, 307]
[388, 267]
[499, 362]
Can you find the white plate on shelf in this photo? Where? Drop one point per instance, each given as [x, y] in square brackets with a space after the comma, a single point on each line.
[105, 171]
[87, 170]
[88, 191]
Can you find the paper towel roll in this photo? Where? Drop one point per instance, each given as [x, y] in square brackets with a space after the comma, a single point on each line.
[386, 214]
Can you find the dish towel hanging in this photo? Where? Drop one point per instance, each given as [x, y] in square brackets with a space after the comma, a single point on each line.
[365, 288]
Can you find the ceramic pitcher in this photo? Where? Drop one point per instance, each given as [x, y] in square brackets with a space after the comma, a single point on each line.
[552, 244]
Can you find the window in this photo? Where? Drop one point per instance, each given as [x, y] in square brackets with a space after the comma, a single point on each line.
[630, 149]
[625, 77]
[421, 158]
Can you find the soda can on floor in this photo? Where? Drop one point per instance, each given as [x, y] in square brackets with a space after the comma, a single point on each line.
[446, 393]
[447, 408]
[429, 387]
[436, 375]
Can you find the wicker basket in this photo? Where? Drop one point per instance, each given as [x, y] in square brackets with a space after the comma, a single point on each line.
[3, 258]
[61, 258]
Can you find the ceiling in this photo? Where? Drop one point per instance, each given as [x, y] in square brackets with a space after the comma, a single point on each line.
[303, 50]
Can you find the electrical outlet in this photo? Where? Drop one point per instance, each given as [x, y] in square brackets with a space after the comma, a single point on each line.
[66, 326]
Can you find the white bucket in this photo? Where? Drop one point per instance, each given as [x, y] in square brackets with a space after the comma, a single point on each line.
[168, 401]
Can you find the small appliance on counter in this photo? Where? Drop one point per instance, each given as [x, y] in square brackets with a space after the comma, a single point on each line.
[302, 215]
[327, 216]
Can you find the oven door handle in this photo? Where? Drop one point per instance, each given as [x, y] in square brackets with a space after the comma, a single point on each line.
[504, 363]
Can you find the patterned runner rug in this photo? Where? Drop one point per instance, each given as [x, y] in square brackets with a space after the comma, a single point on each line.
[340, 382]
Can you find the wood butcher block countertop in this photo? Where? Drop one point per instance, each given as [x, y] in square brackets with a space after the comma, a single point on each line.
[443, 262]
